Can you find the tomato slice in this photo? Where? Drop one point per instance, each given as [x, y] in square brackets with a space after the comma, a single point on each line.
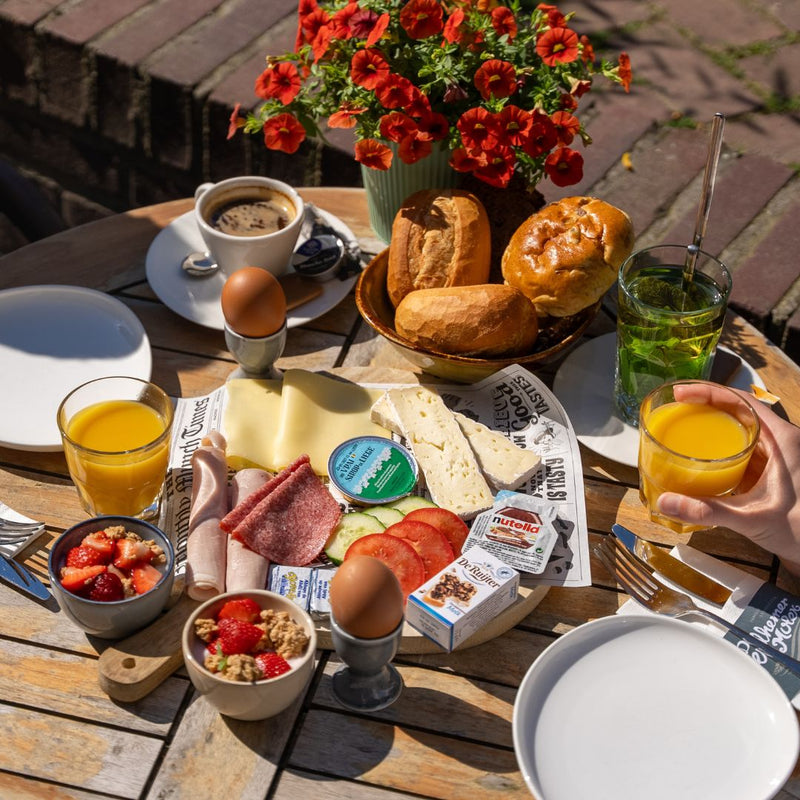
[446, 521]
[397, 554]
[431, 544]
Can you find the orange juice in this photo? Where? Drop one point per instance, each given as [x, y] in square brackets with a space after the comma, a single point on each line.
[117, 452]
[690, 448]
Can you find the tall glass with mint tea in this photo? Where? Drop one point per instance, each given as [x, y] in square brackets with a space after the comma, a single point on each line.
[666, 330]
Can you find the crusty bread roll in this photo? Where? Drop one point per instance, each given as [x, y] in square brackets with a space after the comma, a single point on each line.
[440, 237]
[484, 320]
[566, 256]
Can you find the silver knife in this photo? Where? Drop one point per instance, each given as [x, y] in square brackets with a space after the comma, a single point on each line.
[20, 577]
[673, 568]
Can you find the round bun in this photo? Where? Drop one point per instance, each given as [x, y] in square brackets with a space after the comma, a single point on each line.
[485, 320]
[566, 256]
[440, 237]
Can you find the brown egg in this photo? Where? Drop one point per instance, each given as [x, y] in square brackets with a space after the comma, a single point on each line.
[366, 598]
[253, 302]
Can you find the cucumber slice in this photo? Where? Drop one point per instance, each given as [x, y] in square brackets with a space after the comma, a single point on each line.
[410, 502]
[352, 526]
[388, 516]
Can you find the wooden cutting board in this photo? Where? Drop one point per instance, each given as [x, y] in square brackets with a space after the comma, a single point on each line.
[134, 667]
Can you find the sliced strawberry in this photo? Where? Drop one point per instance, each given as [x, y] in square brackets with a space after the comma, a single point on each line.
[85, 556]
[271, 665]
[236, 636]
[144, 578]
[78, 579]
[101, 542]
[128, 552]
[242, 608]
[106, 588]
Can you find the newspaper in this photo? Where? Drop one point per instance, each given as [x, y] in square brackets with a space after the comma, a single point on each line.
[512, 401]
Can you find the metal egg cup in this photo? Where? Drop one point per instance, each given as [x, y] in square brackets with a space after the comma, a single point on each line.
[256, 354]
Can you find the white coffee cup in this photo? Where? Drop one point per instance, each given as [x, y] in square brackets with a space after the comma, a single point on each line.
[232, 251]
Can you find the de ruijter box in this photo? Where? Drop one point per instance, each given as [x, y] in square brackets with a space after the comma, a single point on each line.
[462, 598]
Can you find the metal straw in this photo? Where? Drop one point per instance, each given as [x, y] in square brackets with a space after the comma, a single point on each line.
[709, 178]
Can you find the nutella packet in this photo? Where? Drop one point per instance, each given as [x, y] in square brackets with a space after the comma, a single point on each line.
[518, 529]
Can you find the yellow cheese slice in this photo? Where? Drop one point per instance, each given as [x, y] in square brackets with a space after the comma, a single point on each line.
[318, 413]
[250, 422]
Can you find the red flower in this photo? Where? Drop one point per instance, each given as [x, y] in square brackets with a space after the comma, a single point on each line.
[396, 126]
[422, 18]
[363, 23]
[368, 68]
[587, 53]
[312, 22]
[504, 23]
[342, 18]
[515, 125]
[564, 166]
[280, 81]
[418, 105]
[319, 45]
[434, 124]
[558, 45]
[555, 19]
[283, 132]
[304, 9]
[463, 160]
[567, 126]
[395, 91]
[478, 129]
[568, 102]
[543, 136]
[499, 167]
[625, 72]
[496, 78]
[452, 34]
[380, 28]
[413, 148]
[236, 121]
[579, 88]
[345, 117]
[373, 154]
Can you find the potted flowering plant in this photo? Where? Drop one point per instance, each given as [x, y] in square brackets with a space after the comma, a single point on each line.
[495, 88]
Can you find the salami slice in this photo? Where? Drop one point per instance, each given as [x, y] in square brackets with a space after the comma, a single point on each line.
[242, 509]
[292, 523]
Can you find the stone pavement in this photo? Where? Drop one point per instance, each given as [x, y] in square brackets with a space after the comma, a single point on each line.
[112, 105]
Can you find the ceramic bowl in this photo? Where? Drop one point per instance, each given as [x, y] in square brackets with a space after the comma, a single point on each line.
[244, 700]
[555, 339]
[116, 619]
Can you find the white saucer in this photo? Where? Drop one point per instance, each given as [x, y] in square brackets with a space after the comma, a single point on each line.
[197, 299]
[584, 384]
[619, 709]
[53, 339]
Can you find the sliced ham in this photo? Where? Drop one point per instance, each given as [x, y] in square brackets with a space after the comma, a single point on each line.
[246, 569]
[243, 508]
[292, 523]
[207, 544]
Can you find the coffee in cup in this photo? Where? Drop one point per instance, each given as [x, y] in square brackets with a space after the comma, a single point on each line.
[249, 222]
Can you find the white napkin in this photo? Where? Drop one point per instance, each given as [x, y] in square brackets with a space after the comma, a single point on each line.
[743, 585]
[6, 548]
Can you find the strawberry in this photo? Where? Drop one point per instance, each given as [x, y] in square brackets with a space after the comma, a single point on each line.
[85, 556]
[106, 588]
[271, 665]
[78, 579]
[144, 577]
[101, 542]
[128, 552]
[242, 608]
[237, 636]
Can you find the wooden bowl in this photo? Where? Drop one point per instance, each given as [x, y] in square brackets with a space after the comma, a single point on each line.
[556, 338]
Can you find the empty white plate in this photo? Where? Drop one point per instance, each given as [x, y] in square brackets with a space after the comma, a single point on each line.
[628, 707]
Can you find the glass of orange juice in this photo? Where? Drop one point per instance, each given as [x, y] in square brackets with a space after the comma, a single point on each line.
[695, 438]
[116, 434]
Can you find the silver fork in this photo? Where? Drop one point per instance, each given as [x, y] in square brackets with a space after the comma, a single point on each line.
[640, 583]
[12, 532]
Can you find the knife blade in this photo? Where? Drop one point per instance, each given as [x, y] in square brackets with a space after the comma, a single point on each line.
[673, 568]
[21, 578]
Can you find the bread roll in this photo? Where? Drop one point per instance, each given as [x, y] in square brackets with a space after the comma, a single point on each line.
[484, 320]
[566, 256]
[440, 237]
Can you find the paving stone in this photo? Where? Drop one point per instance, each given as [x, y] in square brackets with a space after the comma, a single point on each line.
[773, 135]
[787, 12]
[17, 55]
[27, 12]
[65, 83]
[777, 73]
[592, 17]
[79, 22]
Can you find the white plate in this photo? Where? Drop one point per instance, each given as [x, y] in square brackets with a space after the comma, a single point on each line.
[584, 384]
[623, 708]
[197, 299]
[52, 339]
